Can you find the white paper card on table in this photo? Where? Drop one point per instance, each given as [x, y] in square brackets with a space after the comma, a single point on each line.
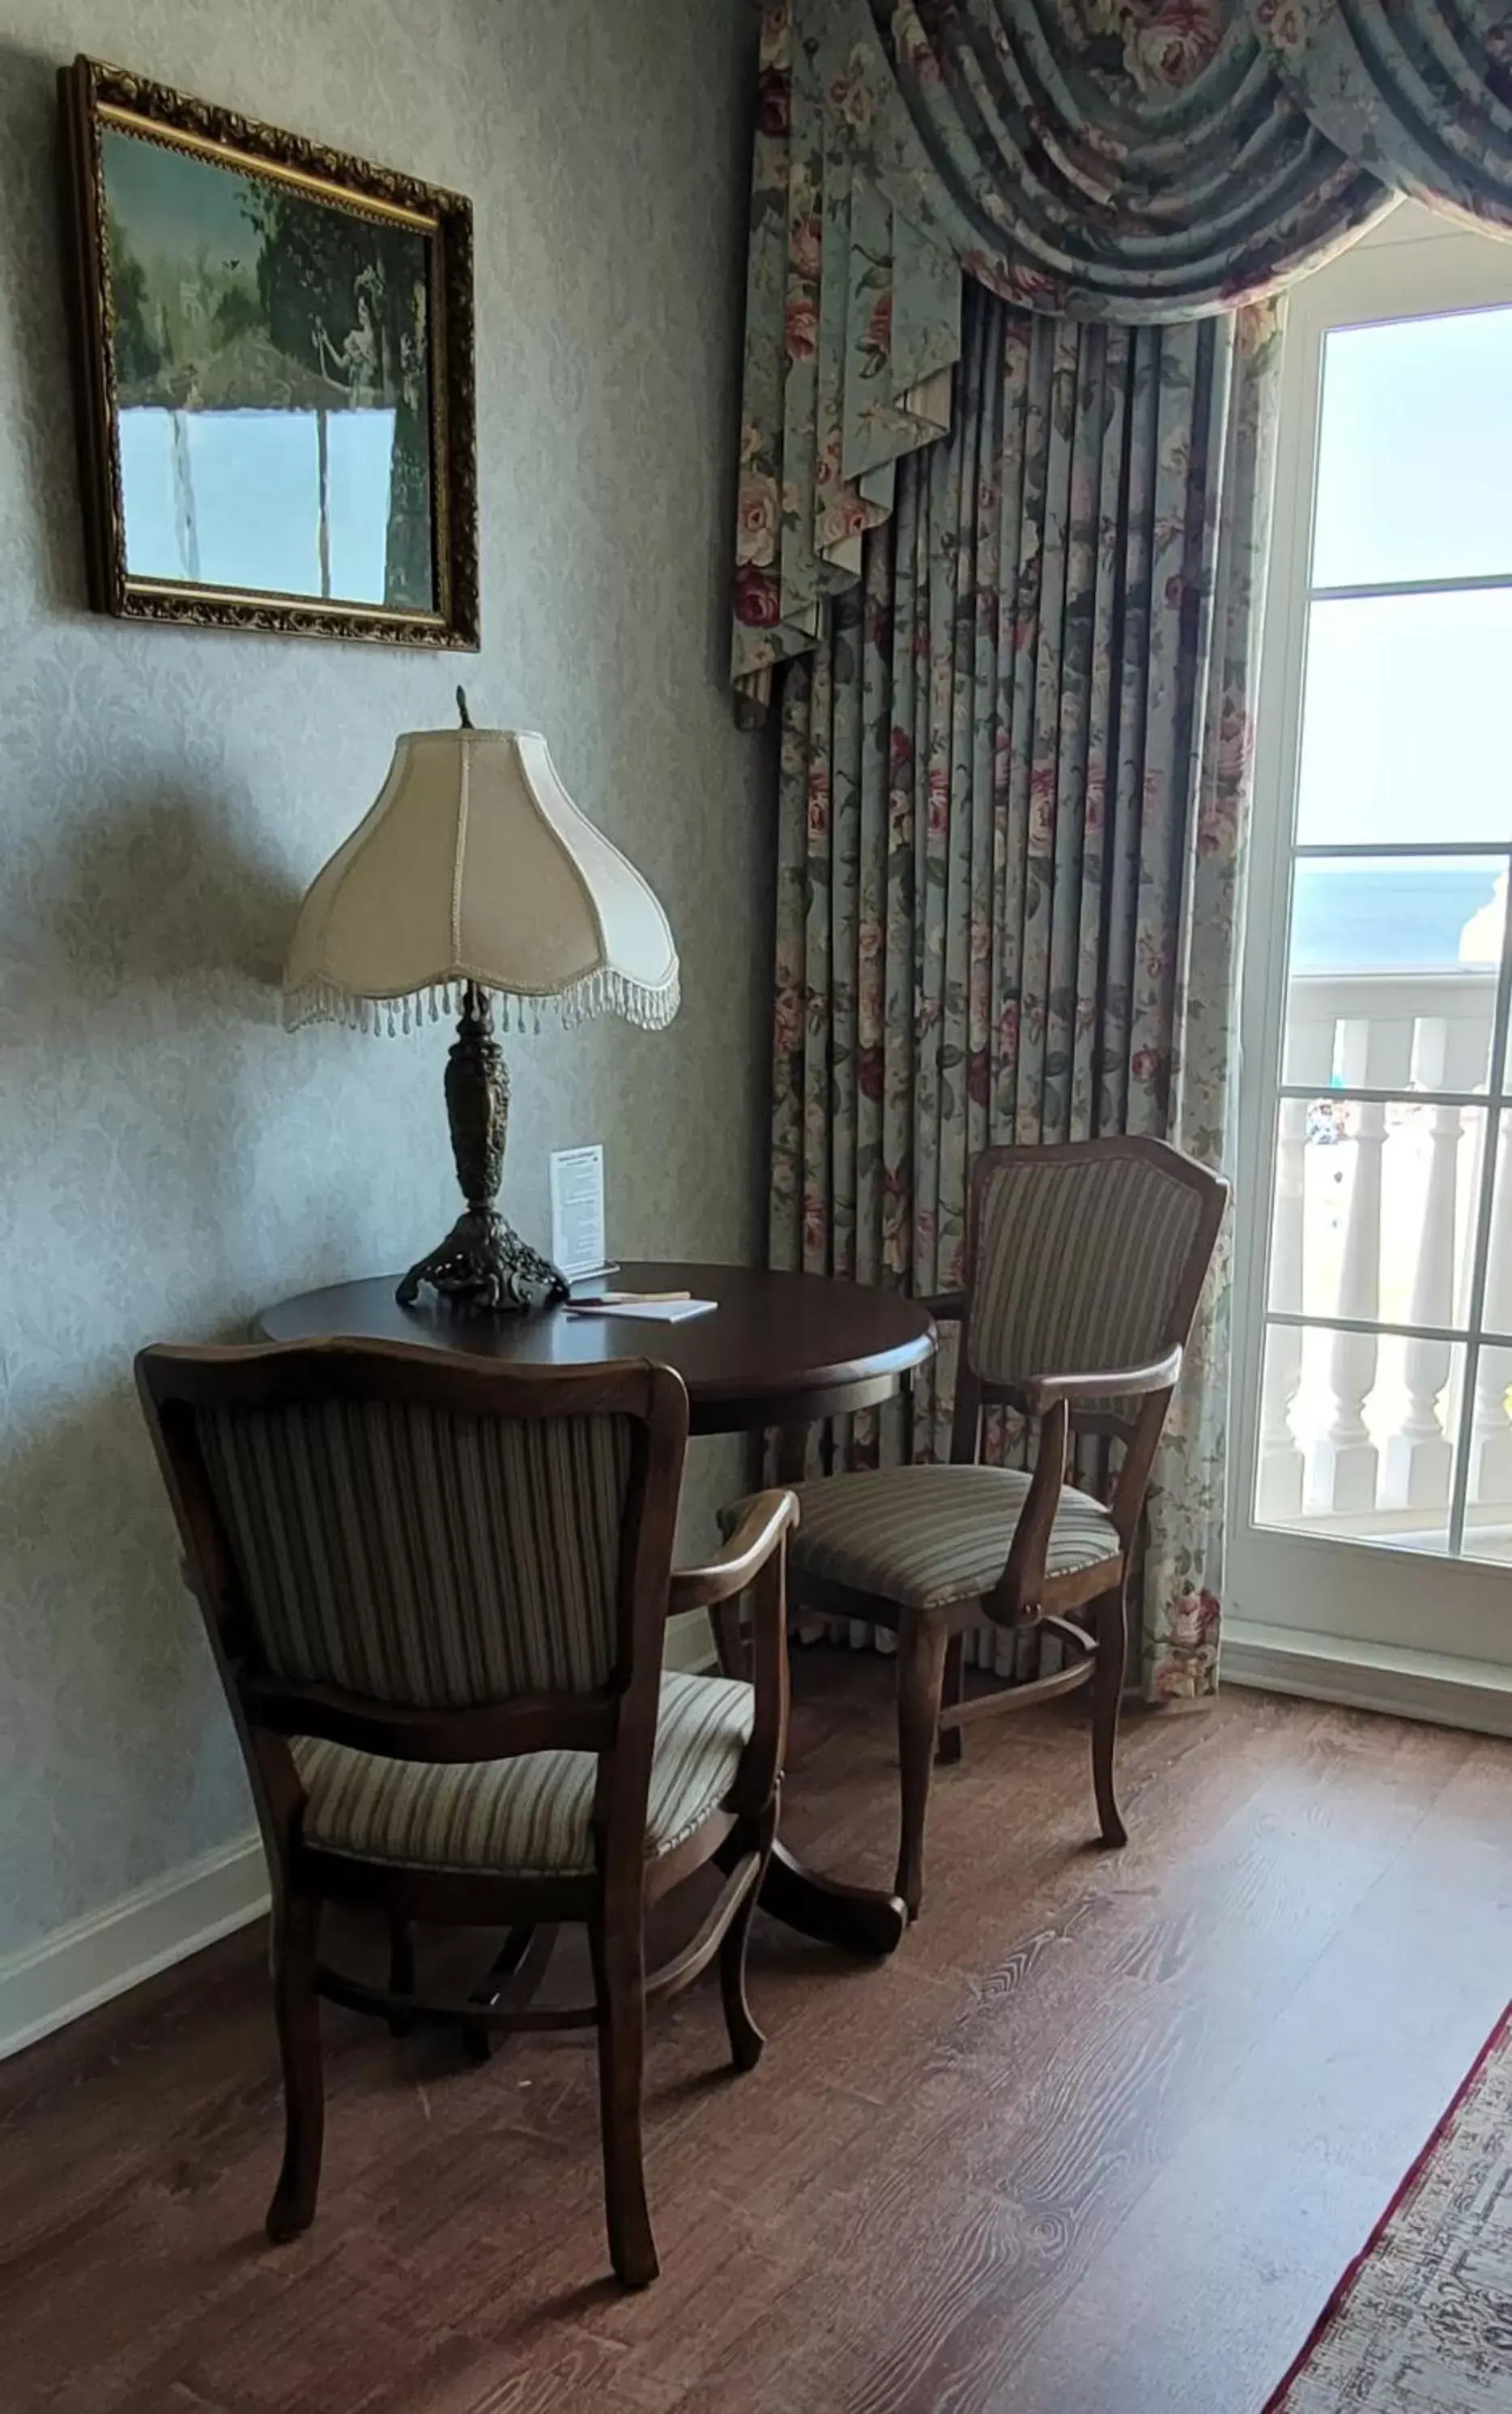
[577, 1226]
[653, 1311]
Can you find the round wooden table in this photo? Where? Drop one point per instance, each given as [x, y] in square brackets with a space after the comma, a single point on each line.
[778, 1349]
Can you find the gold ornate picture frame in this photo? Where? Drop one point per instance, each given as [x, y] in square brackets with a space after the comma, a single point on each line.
[274, 365]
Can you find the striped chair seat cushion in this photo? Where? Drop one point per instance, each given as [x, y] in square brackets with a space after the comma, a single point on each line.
[927, 1535]
[528, 1817]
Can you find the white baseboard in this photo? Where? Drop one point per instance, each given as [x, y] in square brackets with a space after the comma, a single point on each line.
[66, 1974]
[1430, 1685]
[79, 1966]
[85, 1963]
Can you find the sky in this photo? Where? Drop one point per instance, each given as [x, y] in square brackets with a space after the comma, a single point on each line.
[233, 498]
[169, 201]
[1405, 697]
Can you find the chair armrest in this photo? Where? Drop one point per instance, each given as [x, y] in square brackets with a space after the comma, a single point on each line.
[948, 1308]
[1110, 1383]
[1051, 1397]
[759, 1533]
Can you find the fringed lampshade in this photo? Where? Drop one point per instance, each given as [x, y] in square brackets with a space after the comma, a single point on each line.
[475, 877]
[475, 865]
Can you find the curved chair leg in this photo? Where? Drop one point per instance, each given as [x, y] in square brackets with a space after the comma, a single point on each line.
[921, 1670]
[1110, 1624]
[949, 1743]
[746, 2038]
[516, 1971]
[297, 2010]
[619, 1985]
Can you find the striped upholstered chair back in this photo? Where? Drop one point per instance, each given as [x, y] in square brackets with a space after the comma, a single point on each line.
[415, 1554]
[1082, 1256]
[410, 1530]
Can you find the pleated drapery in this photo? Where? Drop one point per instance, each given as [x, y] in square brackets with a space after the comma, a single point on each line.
[1010, 355]
[1419, 92]
[1130, 160]
[1013, 775]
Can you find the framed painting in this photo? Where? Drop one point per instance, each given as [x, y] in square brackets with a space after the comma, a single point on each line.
[274, 367]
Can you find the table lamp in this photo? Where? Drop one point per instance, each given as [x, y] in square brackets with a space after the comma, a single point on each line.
[474, 877]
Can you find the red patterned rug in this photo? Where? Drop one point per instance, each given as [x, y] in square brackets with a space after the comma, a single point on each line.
[1421, 2322]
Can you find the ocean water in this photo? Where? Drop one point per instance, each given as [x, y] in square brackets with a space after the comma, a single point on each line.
[1380, 917]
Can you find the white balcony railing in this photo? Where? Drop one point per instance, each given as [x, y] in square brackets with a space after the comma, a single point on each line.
[1378, 1209]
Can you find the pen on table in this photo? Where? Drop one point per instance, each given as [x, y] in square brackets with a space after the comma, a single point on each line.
[628, 1299]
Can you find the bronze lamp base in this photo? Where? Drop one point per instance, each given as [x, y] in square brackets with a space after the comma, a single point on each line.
[482, 1265]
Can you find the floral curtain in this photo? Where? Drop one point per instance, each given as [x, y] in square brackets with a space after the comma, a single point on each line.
[1013, 778]
[1009, 546]
[1417, 91]
[1134, 160]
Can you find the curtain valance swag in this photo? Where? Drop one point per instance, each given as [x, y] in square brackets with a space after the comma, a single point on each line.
[1133, 161]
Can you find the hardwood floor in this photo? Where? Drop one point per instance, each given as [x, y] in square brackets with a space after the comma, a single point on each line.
[1098, 2141]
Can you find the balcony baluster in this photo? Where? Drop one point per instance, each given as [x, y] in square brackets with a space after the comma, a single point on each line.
[1379, 1459]
[1377, 1055]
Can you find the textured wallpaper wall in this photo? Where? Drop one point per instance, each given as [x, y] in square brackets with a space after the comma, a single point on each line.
[169, 1157]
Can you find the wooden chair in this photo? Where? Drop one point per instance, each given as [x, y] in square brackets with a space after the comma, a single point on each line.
[436, 1592]
[1084, 1266]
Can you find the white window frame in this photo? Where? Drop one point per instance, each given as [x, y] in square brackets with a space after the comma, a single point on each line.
[1412, 265]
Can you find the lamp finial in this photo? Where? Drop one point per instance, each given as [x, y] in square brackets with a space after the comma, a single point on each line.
[462, 707]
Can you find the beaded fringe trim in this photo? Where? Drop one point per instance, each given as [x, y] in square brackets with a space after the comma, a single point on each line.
[605, 991]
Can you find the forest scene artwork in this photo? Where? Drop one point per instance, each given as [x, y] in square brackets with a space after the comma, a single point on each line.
[271, 354]
[273, 372]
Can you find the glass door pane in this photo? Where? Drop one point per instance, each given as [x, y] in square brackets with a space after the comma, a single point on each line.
[1415, 435]
[1402, 742]
[1383, 1246]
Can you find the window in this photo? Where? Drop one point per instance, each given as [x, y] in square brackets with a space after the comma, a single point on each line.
[1382, 1348]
